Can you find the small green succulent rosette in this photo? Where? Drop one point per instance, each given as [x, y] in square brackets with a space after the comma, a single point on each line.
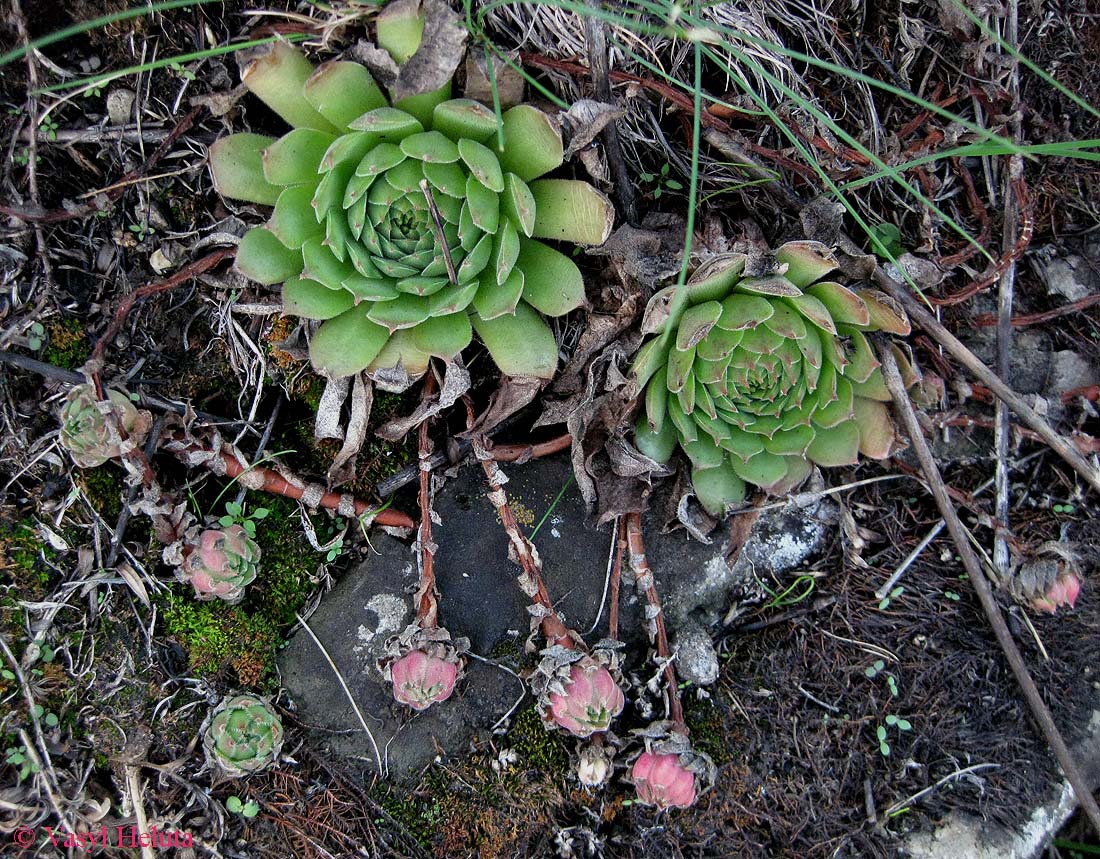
[758, 378]
[245, 735]
[404, 228]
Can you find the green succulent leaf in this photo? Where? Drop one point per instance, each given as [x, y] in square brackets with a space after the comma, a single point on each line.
[347, 343]
[342, 92]
[278, 77]
[572, 211]
[262, 257]
[237, 166]
[521, 344]
[532, 143]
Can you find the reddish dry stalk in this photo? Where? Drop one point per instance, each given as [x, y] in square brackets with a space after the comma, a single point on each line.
[184, 274]
[524, 452]
[276, 484]
[643, 576]
[1027, 226]
[1034, 318]
[427, 611]
[616, 579]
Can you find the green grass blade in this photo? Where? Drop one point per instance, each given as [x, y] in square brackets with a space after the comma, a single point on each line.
[85, 26]
[96, 80]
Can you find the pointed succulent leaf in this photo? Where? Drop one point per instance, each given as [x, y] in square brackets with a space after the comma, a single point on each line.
[552, 282]
[295, 157]
[431, 147]
[400, 28]
[696, 324]
[521, 345]
[342, 92]
[571, 210]
[718, 489]
[346, 344]
[657, 445]
[876, 429]
[484, 206]
[265, 259]
[843, 305]
[807, 262]
[443, 336]
[388, 123]
[532, 143]
[278, 77]
[493, 299]
[838, 445]
[464, 118]
[401, 352]
[482, 163]
[236, 165]
[518, 204]
[886, 314]
[293, 221]
[312, 300]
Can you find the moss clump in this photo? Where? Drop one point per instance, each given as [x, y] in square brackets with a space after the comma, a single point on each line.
[104, 488]
[24, 573]
[67, 343]
[419, 816]
[245, 637]
[709, 731]
[537, 747]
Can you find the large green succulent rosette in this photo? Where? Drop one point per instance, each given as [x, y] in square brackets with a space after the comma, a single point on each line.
[405, 228]
[759, 378]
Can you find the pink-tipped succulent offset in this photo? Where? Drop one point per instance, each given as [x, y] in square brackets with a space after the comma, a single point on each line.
[421, 679]
[663, 781]
[220, 563]
[1062, 592]
[590, 701]
[88, 434]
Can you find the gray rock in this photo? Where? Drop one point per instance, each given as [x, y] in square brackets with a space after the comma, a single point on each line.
[696, 658]
[1070, 370]
[481, 601]
[353, 622]
[1067, 275]
[1029, 361]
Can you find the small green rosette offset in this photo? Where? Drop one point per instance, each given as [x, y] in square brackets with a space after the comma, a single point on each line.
[759, 378]
[405, 228]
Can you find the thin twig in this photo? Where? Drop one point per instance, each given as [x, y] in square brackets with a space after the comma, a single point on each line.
[182, 276]
[981, 585]
[269, 480]
[967, 358]
[596, 39]
[351, 700]
[38, 215]
[1013, 179]
[440, 237]
[44, 764]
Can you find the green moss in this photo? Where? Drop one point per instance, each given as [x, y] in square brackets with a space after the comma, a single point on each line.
[537, 747]
[418, 815]
[67, 343]
[245, 637]
[709, 731]
[104, 488]
[23, 556]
